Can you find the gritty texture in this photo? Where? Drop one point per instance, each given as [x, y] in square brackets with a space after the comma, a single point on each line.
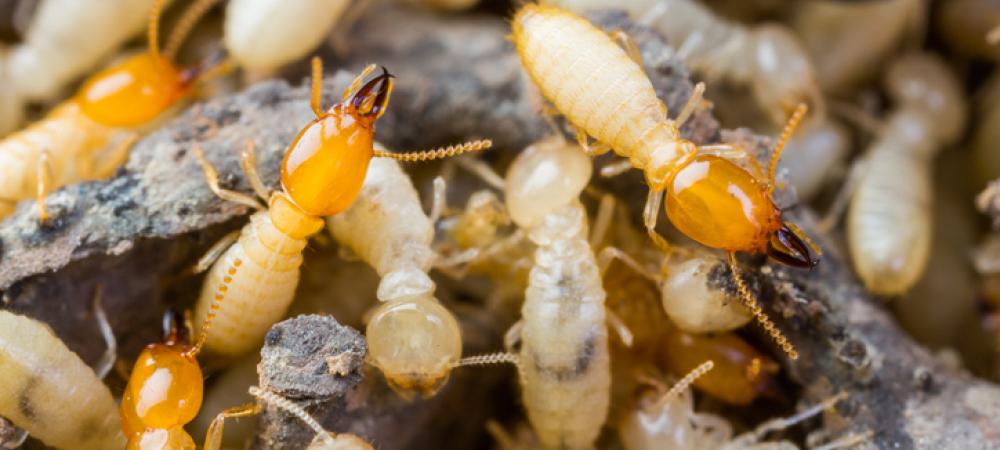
[458, 78]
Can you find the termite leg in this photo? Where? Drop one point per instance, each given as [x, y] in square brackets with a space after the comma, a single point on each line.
[628, 44]
[356, 84]
[649, 217]
[439, 200]
[691, 105]
[597, 149]
[248, 160]
[602, 220]
[616, 168]
[212, 177]
[609, 254]
[513, 336]
[213, 438]
[107, 361]
[483, 171]
[43, 177]
[621, 329]
[786, 134]
[782, 423]
[115, 157]
[215, 252]
[848, 441]
[843, 196]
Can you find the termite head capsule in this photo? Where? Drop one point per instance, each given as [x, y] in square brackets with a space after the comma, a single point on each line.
[720, 205]
[544, 177]
[164, 391]
[134, 92]
[415, 343]
[326, 164]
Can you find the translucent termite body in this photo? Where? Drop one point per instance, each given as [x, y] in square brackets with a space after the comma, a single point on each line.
[253, 282]
[411, 337]
[564, 360]
[89, 136]
[849, 42]
[50, 392]
[767, 57]
[263, 35]
[604, 93]
[889, 218]
[665, 419]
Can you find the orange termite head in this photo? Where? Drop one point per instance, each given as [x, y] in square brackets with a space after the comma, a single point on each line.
[326, 164]
[786, 246]
[140, 88]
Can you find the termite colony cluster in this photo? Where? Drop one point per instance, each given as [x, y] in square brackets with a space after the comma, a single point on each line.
[179, 227]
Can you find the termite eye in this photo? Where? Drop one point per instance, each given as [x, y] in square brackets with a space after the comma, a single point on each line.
[132, 93]
[788, 248]
[372, 99]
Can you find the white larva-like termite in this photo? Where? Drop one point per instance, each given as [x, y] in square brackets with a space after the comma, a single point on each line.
[888, 221]
[48, 391]
[849, 42]
[666, 419]
[411, 337]
[768, 57]
[264, 35]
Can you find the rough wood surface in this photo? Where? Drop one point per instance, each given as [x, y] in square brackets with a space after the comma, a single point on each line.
[458, 78]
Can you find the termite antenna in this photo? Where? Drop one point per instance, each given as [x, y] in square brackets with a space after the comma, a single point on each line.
[153, 30]
[444, 152]
[488, 359]
[317, 86]
[683, 384]
[194, 12]
[286, 405]
[786, 134]
[782, 423]
[758, 312]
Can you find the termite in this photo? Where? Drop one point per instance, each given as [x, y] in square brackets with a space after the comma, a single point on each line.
[50, 392]
[741, 373]
[768, 58]
[603, 92]
[65, 39]
[164, 393]
[324, 440]
[89, 136]
[849, 42]
[563, 360]
[411, 337]
[263, 35]
[888, 222]
[665, 419]
[251, 285]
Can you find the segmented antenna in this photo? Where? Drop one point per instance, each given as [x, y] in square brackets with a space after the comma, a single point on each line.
[683, 384]
[485, 360]
[286, 405]
[153, 30]
[194, 12]
[758, 313]
[786, 134]
[444, 152]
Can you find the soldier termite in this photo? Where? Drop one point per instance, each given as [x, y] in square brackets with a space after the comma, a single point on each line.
[604, 93]
[666, 419]
[888, 222]
[89, 136]
[251, 285]
[48, 391]
[65, 38]
[411, 337]
[263, 35]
